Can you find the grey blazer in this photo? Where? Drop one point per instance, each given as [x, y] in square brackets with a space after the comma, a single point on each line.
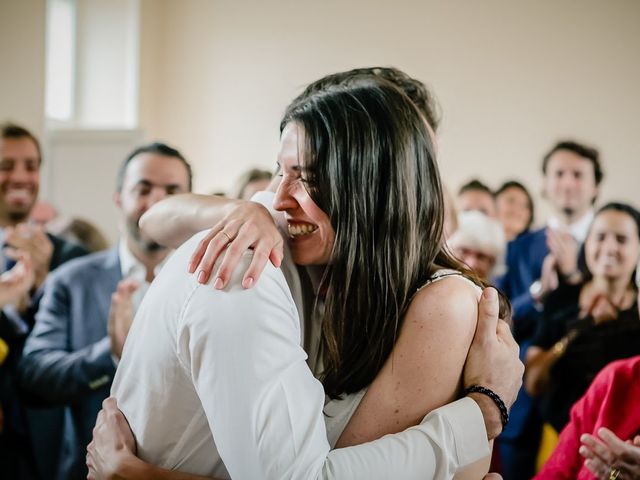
[67, 358]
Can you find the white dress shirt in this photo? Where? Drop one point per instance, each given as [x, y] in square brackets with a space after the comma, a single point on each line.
[211, 376]
[578, 229]
[134, 269]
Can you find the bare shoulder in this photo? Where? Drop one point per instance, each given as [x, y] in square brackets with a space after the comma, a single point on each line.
[424, 370]
[452, 300]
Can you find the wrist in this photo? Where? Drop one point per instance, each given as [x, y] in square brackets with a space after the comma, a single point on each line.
[128, 466]
[490, 414]
[573, 277]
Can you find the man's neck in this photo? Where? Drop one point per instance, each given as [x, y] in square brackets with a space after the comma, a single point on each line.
[615, 289]
[569, 218]
[10, 222]
[150, 260]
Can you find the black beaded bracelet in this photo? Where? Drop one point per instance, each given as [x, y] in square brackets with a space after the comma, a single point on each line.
[504, 413]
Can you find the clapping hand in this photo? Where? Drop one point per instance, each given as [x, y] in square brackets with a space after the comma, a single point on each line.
[607, 456]
[121, 315]
[564, 248]
[16, 283]
[32, 240]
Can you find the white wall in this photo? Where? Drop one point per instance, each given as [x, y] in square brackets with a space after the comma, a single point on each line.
[85, 164]
[511, 77]
[107, 63]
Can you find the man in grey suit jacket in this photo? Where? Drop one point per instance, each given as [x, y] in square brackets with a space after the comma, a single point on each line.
[87, 308]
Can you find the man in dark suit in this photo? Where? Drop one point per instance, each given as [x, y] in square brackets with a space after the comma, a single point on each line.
[88, 306]
[536, 263]
[20, 161]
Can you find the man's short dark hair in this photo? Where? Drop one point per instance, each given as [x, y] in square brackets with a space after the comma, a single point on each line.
[158, 149]
[11, 130]
[417, 91]
[476, 186]
[588, 153]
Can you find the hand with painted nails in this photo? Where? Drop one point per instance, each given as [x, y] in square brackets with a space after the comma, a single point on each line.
[248, 225]
[607, 455]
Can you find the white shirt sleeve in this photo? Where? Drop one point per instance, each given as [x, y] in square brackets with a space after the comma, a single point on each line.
[264, 407]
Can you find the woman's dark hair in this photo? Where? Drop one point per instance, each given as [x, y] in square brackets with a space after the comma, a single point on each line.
[417, 91]
[616, 207]
[514, 184]
[370, 166]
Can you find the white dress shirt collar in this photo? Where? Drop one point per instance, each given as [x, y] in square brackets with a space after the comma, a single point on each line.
[131, 267]
[578, 229]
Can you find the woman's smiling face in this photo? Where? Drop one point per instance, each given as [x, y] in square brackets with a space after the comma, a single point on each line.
[311, 235]
[612, 247]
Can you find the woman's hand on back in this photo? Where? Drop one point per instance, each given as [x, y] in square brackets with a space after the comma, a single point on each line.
[248, 225]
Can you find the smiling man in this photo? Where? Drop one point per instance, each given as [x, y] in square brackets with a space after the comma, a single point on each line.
[20, 161]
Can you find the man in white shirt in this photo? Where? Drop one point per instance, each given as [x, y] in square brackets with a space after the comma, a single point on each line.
[228, 368]
[71, 356]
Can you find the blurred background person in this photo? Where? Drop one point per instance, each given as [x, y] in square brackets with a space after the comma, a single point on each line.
[603, 428]
[475, 195]
[80, 231]
[250, 182]
[25, 455]
[479, 243]
[588, 325]
[514, 209]
[537, 262]
[611, 404]
[42, 213]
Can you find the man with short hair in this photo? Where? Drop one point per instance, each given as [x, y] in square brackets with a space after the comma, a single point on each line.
[475, 195]
[88, 305]
[536, 262]
[20, 161]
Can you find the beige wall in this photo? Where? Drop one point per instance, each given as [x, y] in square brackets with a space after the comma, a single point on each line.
[22, 65]
[511, 77]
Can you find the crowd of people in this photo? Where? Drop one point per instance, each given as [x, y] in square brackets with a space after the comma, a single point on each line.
[344, 318]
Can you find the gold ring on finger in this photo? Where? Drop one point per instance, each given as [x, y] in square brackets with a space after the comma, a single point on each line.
[614, 473]
[229, 239]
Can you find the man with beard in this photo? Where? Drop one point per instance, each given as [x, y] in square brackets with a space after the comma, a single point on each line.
[88, 305]
[20, 161]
